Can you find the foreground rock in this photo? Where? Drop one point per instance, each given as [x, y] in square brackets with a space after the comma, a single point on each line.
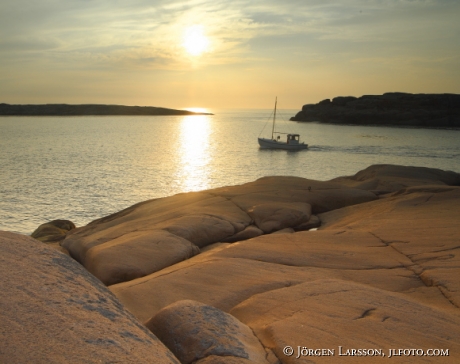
[53, 311]
[424, 227]
[342, 316]
[137, 254]
[434, 110]
[382, 274]
[271, 217]
[153, 235]
[193, 331]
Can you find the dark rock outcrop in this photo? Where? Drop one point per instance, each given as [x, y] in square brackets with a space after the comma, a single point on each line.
[53, 231]
[89, 109]
[395, 108]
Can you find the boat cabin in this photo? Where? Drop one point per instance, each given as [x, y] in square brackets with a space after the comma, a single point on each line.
[293, 138]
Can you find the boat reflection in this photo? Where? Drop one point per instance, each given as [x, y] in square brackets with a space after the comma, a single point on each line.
[194, 151]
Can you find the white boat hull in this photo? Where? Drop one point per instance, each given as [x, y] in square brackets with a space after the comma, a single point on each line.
[273, 144]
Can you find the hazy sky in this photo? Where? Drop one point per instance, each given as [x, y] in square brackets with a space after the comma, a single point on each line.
[225, 54]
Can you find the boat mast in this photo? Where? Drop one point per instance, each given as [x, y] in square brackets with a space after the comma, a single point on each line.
[274, 117]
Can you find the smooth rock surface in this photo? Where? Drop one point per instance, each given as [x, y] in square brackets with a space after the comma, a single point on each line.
[387, 178]
[193, 331]
[322, 196]
[380, 274]
[214, 359]
[54, 311]
[336, 313]
[250, 232]
[219, 282]
[271, 217]
[424, 227]
[227, 277]
[199, 218]
[111, 246]
[332, 249]
[138, 254]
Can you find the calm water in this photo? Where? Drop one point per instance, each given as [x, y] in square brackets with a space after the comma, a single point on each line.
[83, 168]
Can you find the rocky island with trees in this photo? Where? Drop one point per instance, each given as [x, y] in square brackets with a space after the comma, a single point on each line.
[393, 108]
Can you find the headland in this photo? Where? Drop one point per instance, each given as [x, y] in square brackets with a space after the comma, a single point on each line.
[88, 110]
[394, 108]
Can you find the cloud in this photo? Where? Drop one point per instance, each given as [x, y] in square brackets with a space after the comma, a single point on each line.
[295, 37]
[77, 26]
[29, 44]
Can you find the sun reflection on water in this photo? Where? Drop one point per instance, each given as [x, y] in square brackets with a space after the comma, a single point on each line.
[194, 151]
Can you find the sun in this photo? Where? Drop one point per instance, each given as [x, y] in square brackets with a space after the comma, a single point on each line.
[195, 41]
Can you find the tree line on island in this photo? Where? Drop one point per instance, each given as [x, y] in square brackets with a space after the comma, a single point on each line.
[394, 108]
[88, 109]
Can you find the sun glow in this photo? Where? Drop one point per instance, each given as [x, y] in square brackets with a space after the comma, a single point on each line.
[195, 41]
[198, 109]
[194, 144]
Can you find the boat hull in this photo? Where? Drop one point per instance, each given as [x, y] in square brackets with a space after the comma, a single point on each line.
[273, 144]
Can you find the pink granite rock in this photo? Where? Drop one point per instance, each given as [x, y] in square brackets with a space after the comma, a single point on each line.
[383, 274]
[215, 359]
[53, 311]
[132, 243]
[276, 216]
[137, 254]
[218, 282]
[152, 235]
[380, 272]
[390, 178]
[250, 232]
[341, 316]
[420, 223]
[192, 331]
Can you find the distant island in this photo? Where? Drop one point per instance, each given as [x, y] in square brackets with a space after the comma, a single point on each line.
[88, 109]
[394, 108]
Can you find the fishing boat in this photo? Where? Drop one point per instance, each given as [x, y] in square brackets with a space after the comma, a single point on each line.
[290, 142]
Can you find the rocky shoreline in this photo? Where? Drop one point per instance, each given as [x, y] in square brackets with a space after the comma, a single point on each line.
[394, 108]
[279, 270]
[88, 110]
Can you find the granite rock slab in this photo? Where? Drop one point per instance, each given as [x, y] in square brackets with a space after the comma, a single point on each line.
[193, 331]
[53, 311]
[111, 246]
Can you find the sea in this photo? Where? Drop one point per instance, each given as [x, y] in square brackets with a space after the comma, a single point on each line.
[86, 167]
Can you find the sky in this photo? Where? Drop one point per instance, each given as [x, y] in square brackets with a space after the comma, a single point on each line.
[225, 54]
